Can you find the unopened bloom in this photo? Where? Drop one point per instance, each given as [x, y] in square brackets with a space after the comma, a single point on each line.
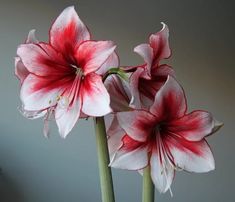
[165, 137]
[64, 77]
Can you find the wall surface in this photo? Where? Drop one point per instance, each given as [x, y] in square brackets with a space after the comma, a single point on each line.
[35, 169]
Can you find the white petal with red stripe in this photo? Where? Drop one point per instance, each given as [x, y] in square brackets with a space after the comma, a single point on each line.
[91, 55]
[138, 124]
[95, 98]
[68, 31]
[170, 102]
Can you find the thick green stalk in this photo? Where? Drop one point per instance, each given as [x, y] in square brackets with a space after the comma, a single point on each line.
[148, 186]
[106, 181]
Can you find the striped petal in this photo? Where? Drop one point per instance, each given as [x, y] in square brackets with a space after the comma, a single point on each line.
[95, 98]
[91, 55]
[190, 156]
[170, 101]
[160, 45]
[138, 124]
[68, 31]
[194, 126]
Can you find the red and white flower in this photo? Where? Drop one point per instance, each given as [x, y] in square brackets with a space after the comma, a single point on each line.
[63, 78]
[164, 137]
[149, 77]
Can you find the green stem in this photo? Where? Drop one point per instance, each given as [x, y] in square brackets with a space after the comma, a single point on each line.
[106, 181]
[115, 70]
[148, 186]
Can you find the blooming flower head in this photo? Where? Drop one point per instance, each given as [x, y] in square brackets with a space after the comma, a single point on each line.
[165, 137]
[63, 78]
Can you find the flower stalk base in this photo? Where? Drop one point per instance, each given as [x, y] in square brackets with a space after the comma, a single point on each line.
[148, 186]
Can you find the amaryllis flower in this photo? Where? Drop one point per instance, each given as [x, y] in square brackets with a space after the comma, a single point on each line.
[64, 76]
[149, 77]
[164, 137]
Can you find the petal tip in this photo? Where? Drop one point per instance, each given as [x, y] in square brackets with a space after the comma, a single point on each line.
[164, 27]
[63, 135]
[211, 166]
[217, 126]
[72, 8]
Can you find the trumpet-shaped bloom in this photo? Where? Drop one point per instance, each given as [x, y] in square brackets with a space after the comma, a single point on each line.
[63, 78]
[149, 77]
[164, 137]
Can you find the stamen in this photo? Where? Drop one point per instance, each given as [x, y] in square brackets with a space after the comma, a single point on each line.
[78, 70]
[57, 99]
[48, 117]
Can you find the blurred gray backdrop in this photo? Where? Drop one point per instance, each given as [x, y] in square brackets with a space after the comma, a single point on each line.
[35, 169]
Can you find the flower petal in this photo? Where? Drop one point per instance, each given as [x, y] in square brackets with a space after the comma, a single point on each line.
[119, 96]
[68, 31]
[95, 97]
[42, 60]
[38, 93]
[146, 52]
[159, 43]
[194, 126]
[66, 117]
[162, 173]
[132, 155]
[170, 101]
[20, 70]
[134, 88]
[31, 37]
[138, 124]
[68, 109]
[111, 62]
[191, 156]
[108, 119]
[91, 55]
[32, 114]
[149, 87]
[115, 134]
[163, 71]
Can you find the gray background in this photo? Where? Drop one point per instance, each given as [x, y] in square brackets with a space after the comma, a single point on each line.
[202, 33]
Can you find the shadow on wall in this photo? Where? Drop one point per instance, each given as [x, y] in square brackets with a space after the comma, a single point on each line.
[8, 189]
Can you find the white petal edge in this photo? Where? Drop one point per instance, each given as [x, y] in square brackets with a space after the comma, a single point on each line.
[131, 160]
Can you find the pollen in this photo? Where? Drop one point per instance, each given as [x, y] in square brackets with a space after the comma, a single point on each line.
[58, 98]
